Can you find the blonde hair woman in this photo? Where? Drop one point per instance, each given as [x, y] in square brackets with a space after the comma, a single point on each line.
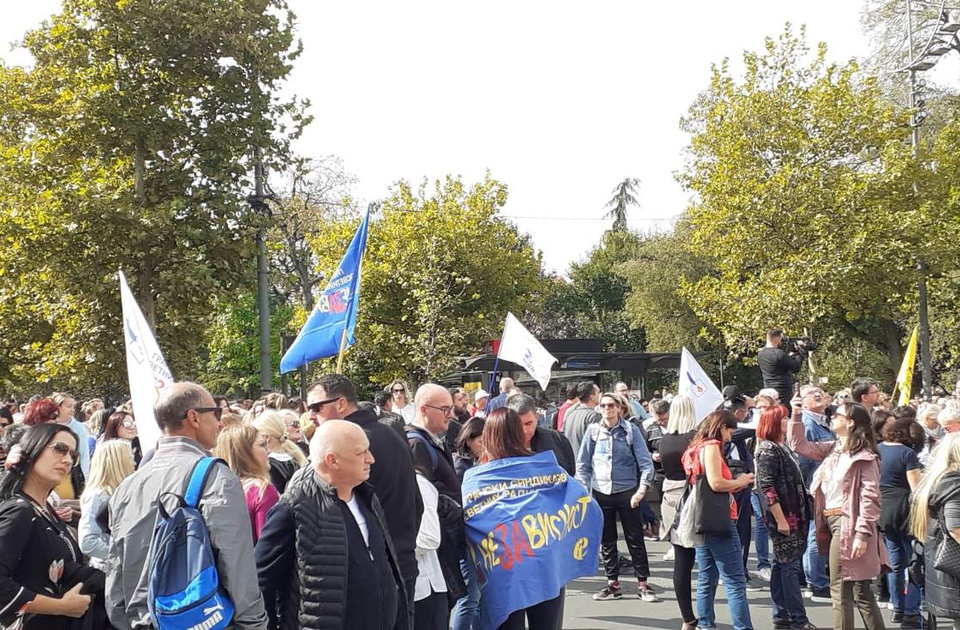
[245, 451]
[935, 517]
[112, 463]
[283, 455]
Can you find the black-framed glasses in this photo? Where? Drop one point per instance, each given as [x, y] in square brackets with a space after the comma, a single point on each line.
[315, 406]
[62, 449]
[398, 390]
[607, 405]
[216, 411]
[445, 408]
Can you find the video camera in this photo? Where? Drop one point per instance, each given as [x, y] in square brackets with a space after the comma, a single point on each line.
[800, 345]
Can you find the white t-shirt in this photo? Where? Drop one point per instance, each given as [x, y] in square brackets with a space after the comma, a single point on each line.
[359, 518]
[407, 412]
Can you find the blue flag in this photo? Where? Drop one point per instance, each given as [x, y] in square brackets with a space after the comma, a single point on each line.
[531, 528]
[336, 309]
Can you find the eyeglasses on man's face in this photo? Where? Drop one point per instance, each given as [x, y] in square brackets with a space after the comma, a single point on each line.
[444, 408]
[216, 411]
[316, 406]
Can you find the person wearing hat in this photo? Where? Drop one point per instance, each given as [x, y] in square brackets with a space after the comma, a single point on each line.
[479, 407]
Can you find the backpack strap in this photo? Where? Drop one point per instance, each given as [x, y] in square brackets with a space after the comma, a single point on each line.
[431, 449]
[198, 479]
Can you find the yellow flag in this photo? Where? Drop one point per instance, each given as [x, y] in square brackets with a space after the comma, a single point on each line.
[905, 377]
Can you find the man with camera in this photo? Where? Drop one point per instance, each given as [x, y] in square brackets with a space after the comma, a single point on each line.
[778, 365]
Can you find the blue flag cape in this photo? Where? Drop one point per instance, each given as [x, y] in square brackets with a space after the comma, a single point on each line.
[336, 309]
[531, 528]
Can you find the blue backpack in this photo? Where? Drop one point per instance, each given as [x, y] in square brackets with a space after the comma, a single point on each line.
[183, 592]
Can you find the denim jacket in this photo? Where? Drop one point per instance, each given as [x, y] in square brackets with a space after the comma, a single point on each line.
[608, 464]
[815, 431]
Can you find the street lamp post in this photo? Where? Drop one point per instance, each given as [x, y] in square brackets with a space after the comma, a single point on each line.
[258, 201]
[942, 40]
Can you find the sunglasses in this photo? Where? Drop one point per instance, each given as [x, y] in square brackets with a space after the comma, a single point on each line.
[398, 390]
[293, 423]
[607, 405]
[216, 411]
[315, 407]
[129, 424]
[62, 449]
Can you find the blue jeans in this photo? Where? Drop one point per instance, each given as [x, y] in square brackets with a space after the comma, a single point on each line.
[722, 557]
[814, 563]
[900, 549]
[762, 538]
[785, 592]
[467, 610]
[647, 517]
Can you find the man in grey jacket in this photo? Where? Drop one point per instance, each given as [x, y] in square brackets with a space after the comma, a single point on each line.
[190, 420]
[582, 414]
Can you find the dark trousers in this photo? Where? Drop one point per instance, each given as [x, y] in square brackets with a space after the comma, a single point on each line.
[683, 561]
[744, 525]
[618, 505]
[546, 615]
[432, 612]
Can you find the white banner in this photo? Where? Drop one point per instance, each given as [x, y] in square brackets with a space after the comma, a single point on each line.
[520, 347]
[147, 370]
[695, 383]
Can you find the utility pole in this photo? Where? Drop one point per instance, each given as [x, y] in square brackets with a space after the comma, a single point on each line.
[258, 202]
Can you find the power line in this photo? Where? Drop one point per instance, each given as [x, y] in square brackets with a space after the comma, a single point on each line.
[507, 216]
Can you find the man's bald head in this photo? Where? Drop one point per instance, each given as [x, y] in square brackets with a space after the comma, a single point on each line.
[340, 452]
[434, 406]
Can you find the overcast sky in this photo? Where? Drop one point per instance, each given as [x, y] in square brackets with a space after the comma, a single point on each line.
[559, 100]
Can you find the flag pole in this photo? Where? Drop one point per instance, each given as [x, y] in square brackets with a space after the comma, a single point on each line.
[343, 349]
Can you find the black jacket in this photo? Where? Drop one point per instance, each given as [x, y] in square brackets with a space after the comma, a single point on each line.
[778, 368]
[303, 555]
[942, 591]
[395, 483]
[549, 440]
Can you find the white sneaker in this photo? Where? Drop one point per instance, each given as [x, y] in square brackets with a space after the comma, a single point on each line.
[667, 557]
[764, 574]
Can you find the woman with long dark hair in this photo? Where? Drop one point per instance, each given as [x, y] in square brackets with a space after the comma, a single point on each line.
[469, 446]
[512, 596]
[721, 555]
[122, 426]
[899, 476]
[44, 581]
[846, 496]
[780, 486]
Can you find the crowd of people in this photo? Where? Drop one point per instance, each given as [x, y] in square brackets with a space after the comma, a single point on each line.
[332, 512]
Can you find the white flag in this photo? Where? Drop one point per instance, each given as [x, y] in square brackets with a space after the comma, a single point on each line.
[147, 370]
[520, 347]
[695, 383]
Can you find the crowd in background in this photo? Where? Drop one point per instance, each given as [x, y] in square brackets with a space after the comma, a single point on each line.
[838, 494]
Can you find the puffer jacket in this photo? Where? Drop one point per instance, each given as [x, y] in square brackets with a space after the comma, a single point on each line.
[314, 591]
[942, 590]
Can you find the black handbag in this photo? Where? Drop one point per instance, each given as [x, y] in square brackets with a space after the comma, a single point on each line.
[946, 556]
[712, 514]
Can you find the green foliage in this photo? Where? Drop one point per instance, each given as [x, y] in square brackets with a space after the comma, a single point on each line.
[804, 202]
[233, 341]
[624, 196]
[127, 145]
[440, 272]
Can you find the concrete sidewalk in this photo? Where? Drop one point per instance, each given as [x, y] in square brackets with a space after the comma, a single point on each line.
[583, 613]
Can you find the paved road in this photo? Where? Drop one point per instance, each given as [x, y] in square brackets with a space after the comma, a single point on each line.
[583, 613]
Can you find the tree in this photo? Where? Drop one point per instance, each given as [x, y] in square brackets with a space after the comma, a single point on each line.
[623, 197]
[804, 201]
[440, 272]
[128, 145]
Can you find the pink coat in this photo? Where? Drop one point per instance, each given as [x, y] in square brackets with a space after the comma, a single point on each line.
[861, 507]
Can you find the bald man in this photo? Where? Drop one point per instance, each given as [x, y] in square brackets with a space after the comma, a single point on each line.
[325, 547]
[433, 409]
